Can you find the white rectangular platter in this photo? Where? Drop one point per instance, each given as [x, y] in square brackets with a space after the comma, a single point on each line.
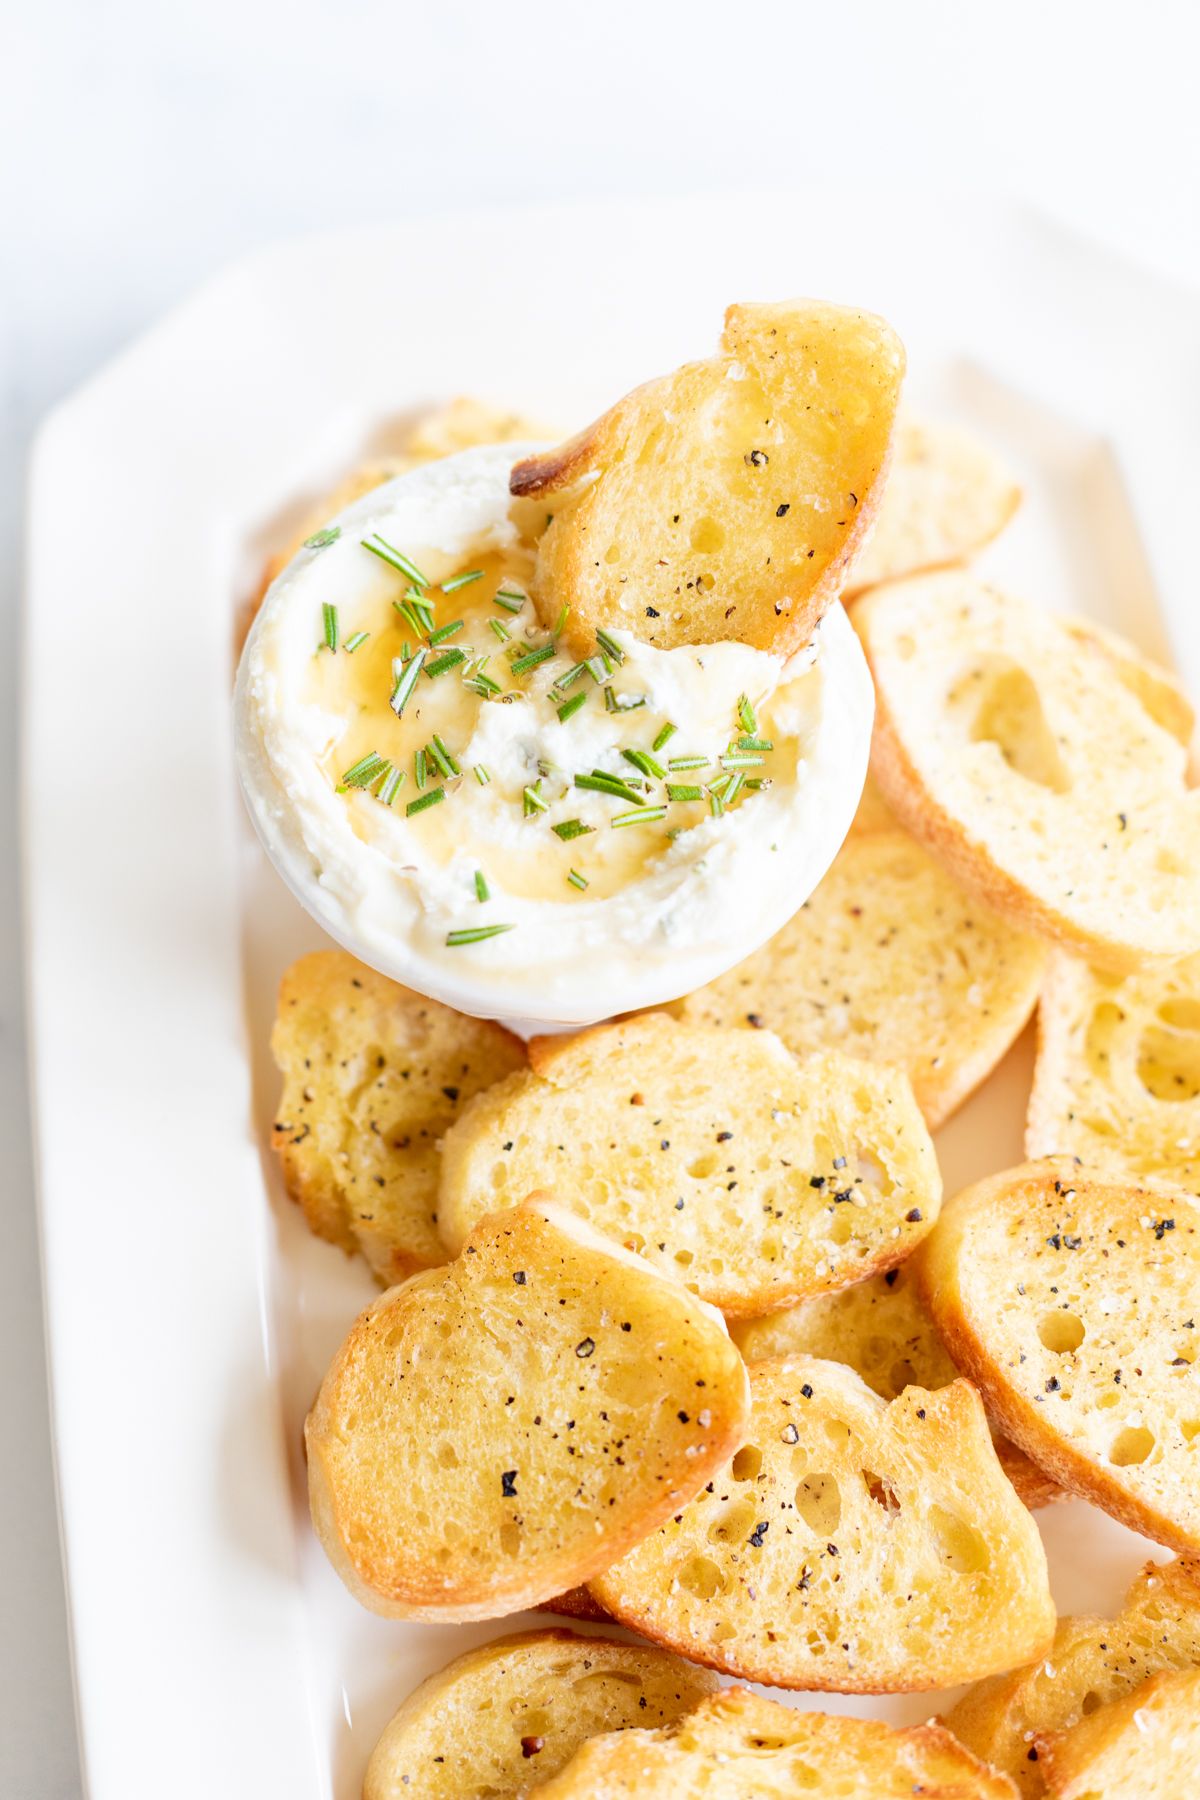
[190, 1315]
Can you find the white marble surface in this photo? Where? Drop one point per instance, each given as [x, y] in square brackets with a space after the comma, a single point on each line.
[143, 146]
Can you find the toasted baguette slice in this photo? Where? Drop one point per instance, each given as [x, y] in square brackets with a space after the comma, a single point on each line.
[850, 1544]
[494, 1432]
[1091, 1662]
[991, 721]
[891, 960]
[459, 425]
[1075, 1307]
[726, 500]
[1145, 1746]
[1117, 1079]
[509, 1715]
[740, 1746]
[947, 495]
[882, 1329]
[372, 1076]
[755, 1179]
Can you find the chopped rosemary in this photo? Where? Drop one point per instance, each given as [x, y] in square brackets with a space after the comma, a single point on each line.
[391, 787]
[402, 692]
[442, 757]
[461, 581]
[534, 800]
[614, 702]
[419, 767]
[481, 684]
[354, 643]
[734, 788]
[746, 715]
[319, 539]
[364, 770]
[444, 631]
[476, 934]
[644, 763]
[418, 619]
[571, 676]
[577, 880]
[757, 783]
[610, 647]
[679, 790]
[715, 804]
[755, 743]
[650, 816]
[679, 763]
[532, 660]
[481, 774]
[510, 602]
[425, 800]
[396, 559]
[482, 890]
[598, 669]
[567, 829]
[449, 659]
[501, 629]
[560, 624]
[740, 759]
[600, 783]
[329, 618]
[571, 706]
[664, 737]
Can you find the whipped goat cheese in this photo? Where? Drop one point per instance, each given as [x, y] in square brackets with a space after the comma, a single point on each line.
[479, 815]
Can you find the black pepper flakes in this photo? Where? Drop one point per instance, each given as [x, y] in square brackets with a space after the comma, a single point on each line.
[759, 1533]
[508, 1484]
[530, 1746]
[789, 1434]
[806, 1390]
[913, 1216]
[519, 1277]
[585, 1347]
[757, 459]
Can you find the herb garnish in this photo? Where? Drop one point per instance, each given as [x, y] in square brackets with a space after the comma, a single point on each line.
[476, 934]
[329, 619]
[319, 539]
[461, 581]
[424, 801]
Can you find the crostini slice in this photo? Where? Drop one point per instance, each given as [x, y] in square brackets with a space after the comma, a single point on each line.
[849, 1545]
[1074, 1305]
[496, 1431]
[756, 1179]
[729, 499]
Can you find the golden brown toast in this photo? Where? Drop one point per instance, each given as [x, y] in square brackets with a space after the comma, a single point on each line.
[1074, 1305]
[755, 1179]
[496, 1431]
[849, 1545]
[729, 499]
[373, 1074]
[508, 1716]
[737, 1745]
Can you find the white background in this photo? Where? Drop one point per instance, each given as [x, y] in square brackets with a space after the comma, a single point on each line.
[143, 145]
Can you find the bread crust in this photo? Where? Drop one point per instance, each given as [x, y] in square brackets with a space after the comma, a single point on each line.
[1037, 1198]
[1144, 1746]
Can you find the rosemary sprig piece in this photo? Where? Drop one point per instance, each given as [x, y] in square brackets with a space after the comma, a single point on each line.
[747, 718]
[570, 707]
[567, 829]
[329, 534]
[509, 601]
[402, 692]
[533, 659]
[425, 801]
[600, 783]
[534, 800]
[392, 785]
[650, 816]
[329, 620]
[645, 764]
[396, 559]
[449, 659]
[482, 890]
[664, 737]
[443, 632]
[677, 764]
[577, 880]
[364, 770]
[475, 935]
[356, 642]
[681, 790]
[461, 581]
[610, 647]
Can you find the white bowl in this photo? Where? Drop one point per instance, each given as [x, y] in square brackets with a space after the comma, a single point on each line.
[718, 893]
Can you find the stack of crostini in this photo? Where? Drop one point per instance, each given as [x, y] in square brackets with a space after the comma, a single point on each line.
[677, 1334]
